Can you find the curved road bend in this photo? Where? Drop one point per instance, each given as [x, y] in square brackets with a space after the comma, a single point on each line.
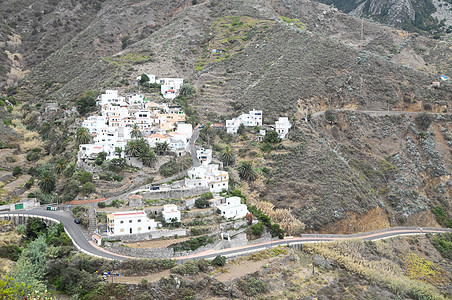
[83, 241]
[80, 237]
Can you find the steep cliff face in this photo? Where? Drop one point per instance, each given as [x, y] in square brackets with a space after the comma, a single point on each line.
[397, 11]
[413, 15]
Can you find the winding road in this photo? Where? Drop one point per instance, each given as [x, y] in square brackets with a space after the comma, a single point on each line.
[82, 240]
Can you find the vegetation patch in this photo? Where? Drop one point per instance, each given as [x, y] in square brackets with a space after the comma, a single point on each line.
[422, 269]
[293, 22]
[232, 35]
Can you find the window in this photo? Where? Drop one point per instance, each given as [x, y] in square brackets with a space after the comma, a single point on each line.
[122, 222]
[139, 220]
[130, 221]
[149, 227]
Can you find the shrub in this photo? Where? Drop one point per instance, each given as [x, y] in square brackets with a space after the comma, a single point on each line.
[85, 177]
[101, 205]
[86, 103]
[271, 137]
[88, 188]
[189, 267]
[219, 260]
[193, 244]
[443, 243]
[257, 229]
[201, 203]
[423, 121]
[146, 265]
[17, 170]
[11, 252]
[29, 183]
[252, 286]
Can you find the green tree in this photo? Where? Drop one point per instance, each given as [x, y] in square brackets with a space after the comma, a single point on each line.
[100, 158]
[219, 260]
[35, 228]
[88, 188]
[82, 135]
[85, 177]
[208, 131]
[144, 80]
[201, 203]
[272, 137]
[86, 103]
[118, 151]
[247, 171]
[147, 157]
[228, 156]
[135, 133]
[161, 148]
[46, 181]
[187, 90]
[132, 148]
[241, 129]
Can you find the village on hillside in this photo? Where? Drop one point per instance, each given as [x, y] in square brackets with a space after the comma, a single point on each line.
[203, 190]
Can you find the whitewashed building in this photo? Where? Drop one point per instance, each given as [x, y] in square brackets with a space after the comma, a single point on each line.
[233, 208]
[204, 155]
[129, 222]
[252, 119]
[208, 176]
[170, 213]
[282, 127]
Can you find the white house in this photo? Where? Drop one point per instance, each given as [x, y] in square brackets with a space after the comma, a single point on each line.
[233, 208]
[170, 213]
[282, 127]
[129, 222]
[208, 176]
[252, 119]
[204, 155]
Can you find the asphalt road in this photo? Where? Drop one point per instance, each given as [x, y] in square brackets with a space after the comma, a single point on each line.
[82, 240]
[192, 147]
[79, 236]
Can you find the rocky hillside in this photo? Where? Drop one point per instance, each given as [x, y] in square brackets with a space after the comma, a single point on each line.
[345, 171]
[430, 17]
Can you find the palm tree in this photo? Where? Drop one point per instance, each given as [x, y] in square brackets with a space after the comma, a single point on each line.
[208, 130]
[46, 182]
[83, 136]
[247, 171]
[148, 158]
[228, 156]
[118, 151]
[161, 148]
[132, 148]
[60, 166]
[135, 133]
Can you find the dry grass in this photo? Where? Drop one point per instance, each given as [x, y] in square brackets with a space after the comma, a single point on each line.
[31, 138]
[348, 254]
[282, 216]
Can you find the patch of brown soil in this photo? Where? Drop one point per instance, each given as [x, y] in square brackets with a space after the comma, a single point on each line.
[423, 219]
[374, 219]
[137, 279]
[242, 268]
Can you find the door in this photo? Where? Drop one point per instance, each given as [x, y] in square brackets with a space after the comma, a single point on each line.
[130, 230]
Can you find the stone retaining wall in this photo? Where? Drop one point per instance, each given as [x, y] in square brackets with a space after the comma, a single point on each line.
[155, 234]
[155, 252]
